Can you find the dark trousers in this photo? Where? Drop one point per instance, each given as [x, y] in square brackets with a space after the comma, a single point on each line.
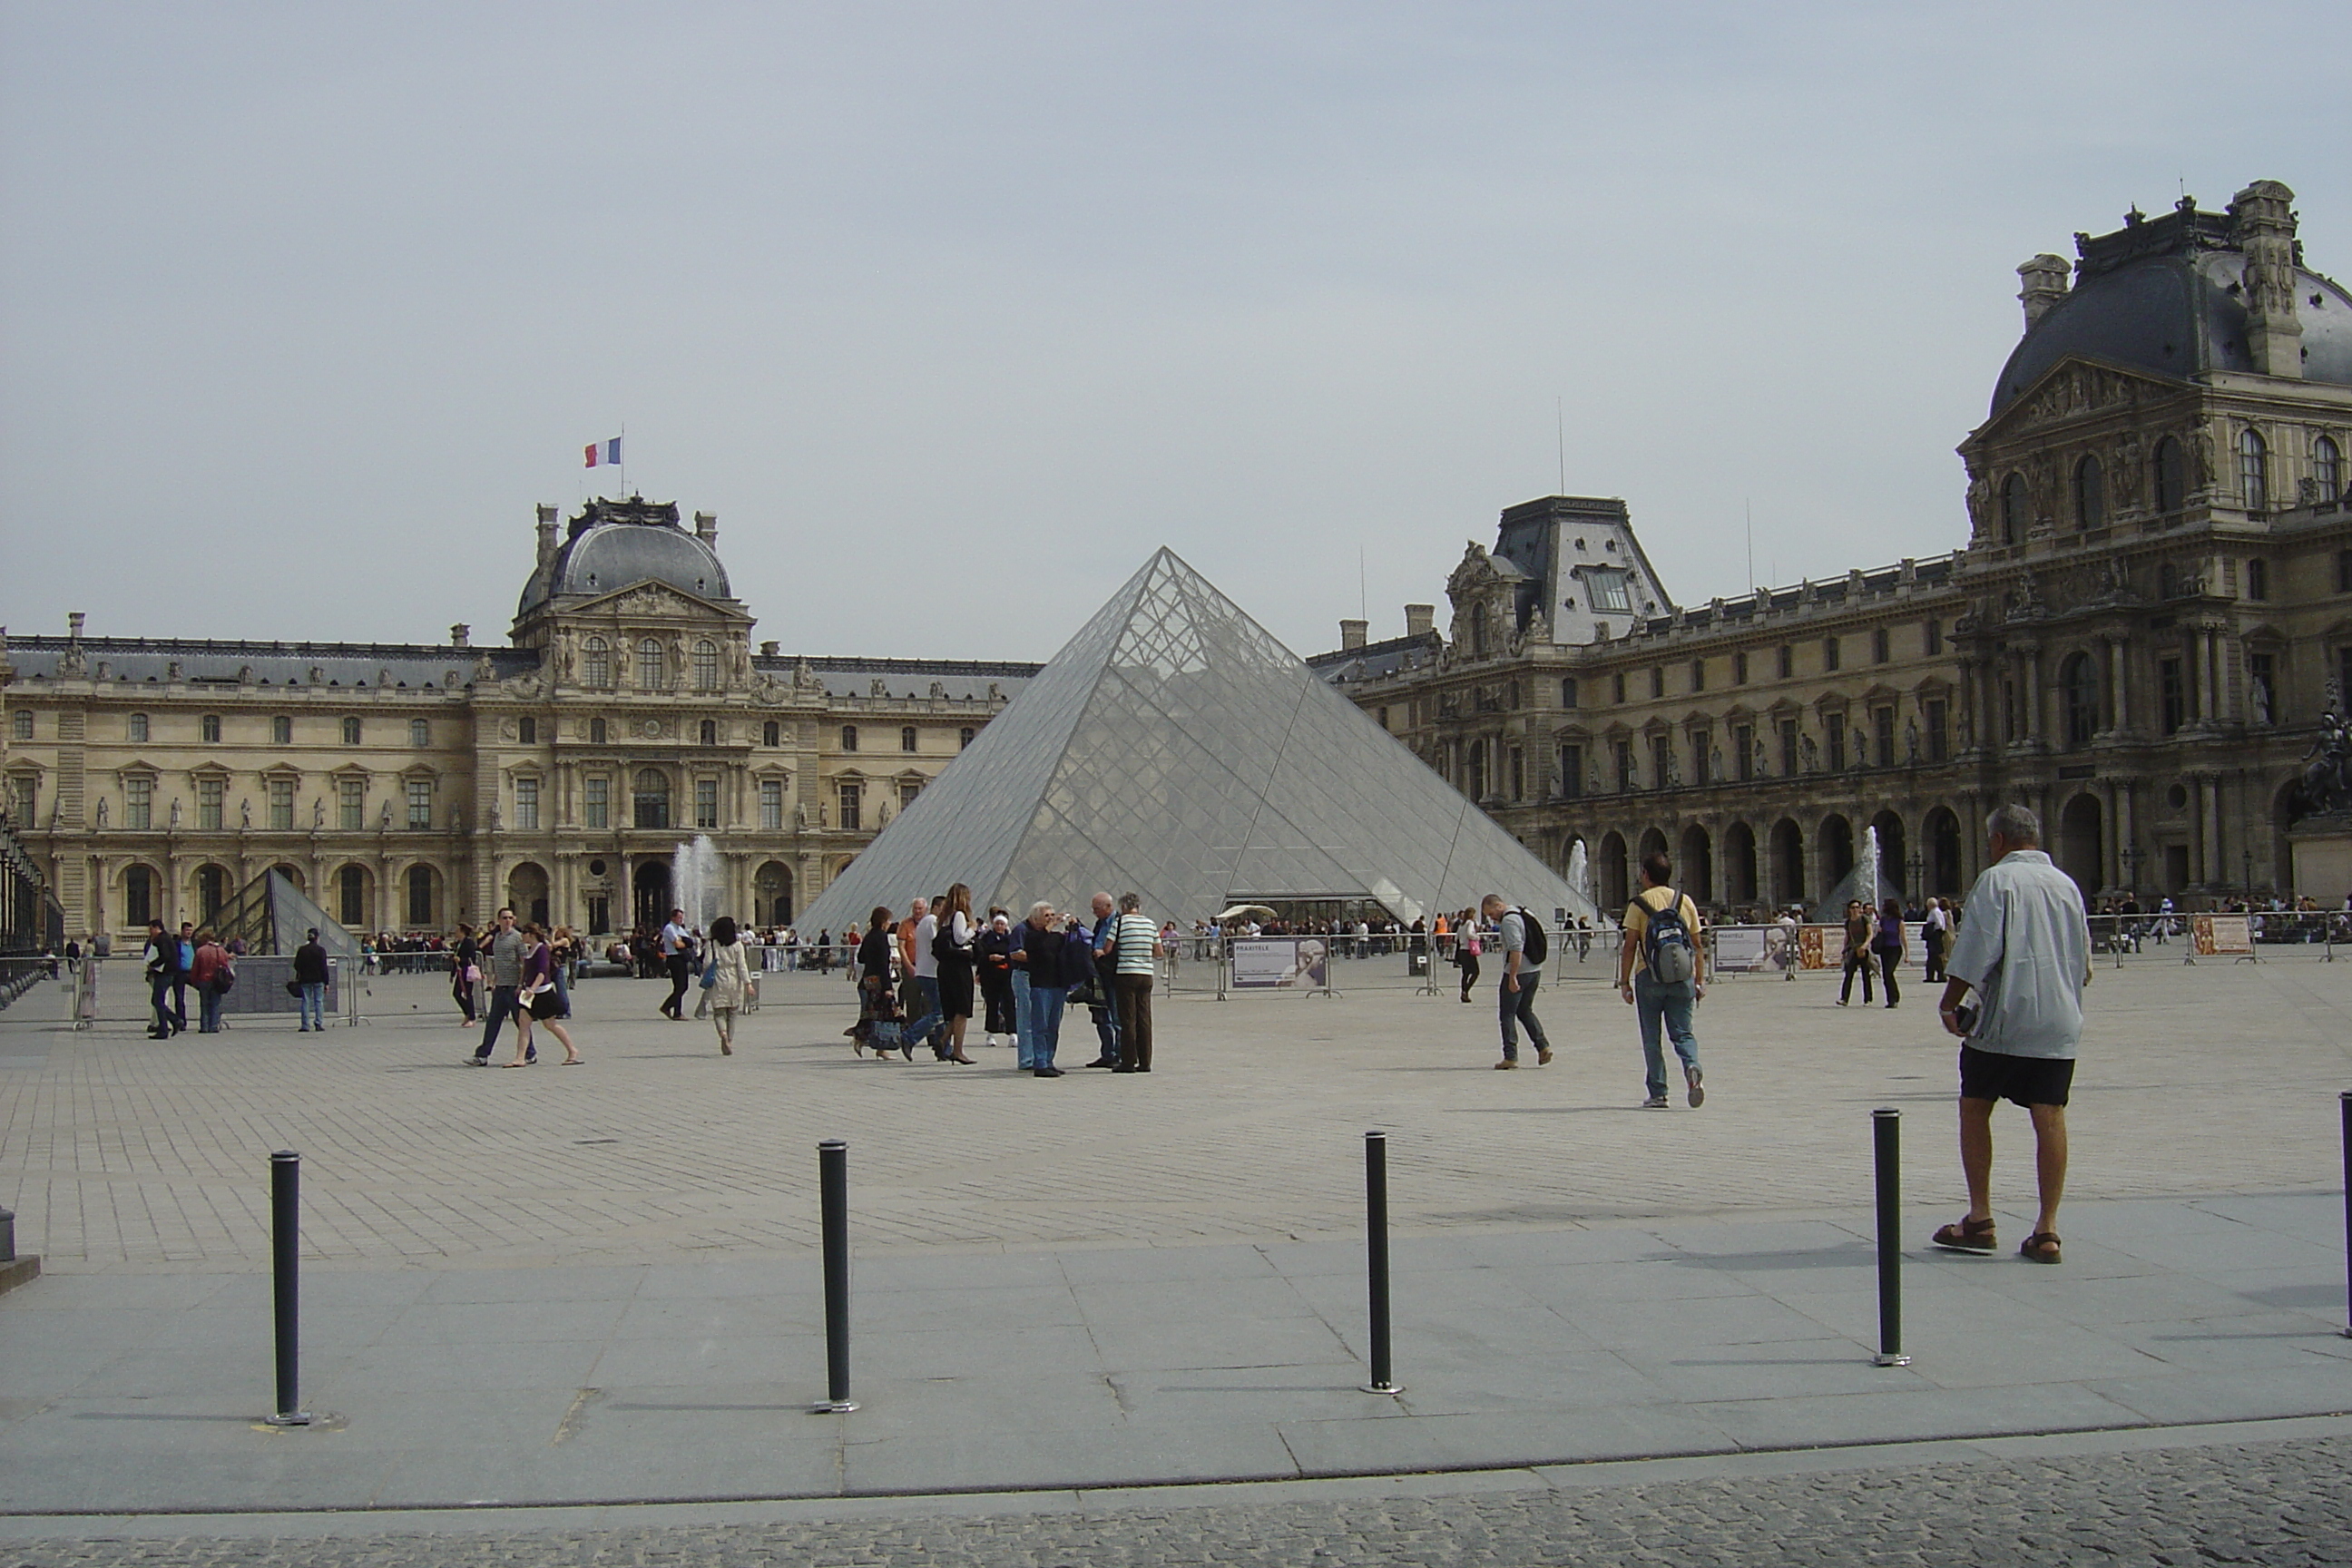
[503, 1005]
[1933, 940]
[1857, 961]
[180, 1002]
[1518, 1006]
[1469, 963]
[159, 994]
[1133, 992]
[1886, 956]
[681, 970]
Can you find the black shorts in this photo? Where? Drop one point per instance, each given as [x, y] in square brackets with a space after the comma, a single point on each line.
[2023, 1080]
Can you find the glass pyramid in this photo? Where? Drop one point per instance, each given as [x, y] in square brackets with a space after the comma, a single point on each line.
[1173, 748]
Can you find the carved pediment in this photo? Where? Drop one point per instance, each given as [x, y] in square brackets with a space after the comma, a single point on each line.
[2077, 388]
[655, 601]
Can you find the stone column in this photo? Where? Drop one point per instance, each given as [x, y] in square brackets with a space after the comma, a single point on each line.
[2122, 789]
[2030, 692]
[2213, 669]
[2119, 689]
[2217, 852]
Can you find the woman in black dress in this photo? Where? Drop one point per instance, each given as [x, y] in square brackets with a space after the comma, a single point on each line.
[955, 955]
[878, 999]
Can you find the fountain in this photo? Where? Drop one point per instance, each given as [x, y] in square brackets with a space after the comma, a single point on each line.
[1579, 880]
[697, 881]
[1867, 882]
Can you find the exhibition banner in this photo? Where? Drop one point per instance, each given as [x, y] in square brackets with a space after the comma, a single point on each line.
[1268, 963]
[2222, 936]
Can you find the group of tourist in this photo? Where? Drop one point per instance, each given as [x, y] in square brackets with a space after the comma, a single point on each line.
[525, 983]
[196, 957]
[921, 976]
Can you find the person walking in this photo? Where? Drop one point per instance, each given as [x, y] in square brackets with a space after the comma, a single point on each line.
[675, 946]
[212, 963]
[1888, 945]
[1935, 937]
[731, 980]
[1661, 974]
[1134, 948]
[161, 962]
[1857, 951]
[918, 936]
[310, 975]
[465, 973]
[503, 959]
[2024, 952]
[993, 957]
[1465, 957]
[1525, 948]
[1041, 956]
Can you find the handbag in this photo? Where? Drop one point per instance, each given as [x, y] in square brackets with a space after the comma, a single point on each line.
[710, 975]
[293, 988]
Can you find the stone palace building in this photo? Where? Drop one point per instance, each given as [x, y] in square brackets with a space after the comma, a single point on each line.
[407, 787]
[2151, 615]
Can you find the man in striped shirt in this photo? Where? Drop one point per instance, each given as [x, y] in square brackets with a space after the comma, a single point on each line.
[1134, 942]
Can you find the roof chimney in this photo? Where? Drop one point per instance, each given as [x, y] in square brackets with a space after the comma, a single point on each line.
[74, 619]
[2262, 220]
[1354, 634]
[459, 634]
[1420, 620]
[769, 650]
[546, 534]
[705, 528]
[2045, 278]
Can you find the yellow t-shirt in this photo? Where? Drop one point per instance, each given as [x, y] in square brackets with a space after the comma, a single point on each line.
[1637, 920]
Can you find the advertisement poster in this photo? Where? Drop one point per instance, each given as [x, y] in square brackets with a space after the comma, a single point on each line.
[2222, 936]
[1266, 963]
[1820, 947]
[1740, 949]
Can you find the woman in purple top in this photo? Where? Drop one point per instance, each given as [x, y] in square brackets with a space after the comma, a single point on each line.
[1887, 942]
[541, 999]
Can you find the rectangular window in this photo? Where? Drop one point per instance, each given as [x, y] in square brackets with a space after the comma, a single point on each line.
[1933, 638]
[1939, 743]
[1882, 645]
[1624, 766]
[350, 804]
[1608, 589]
[1739, 668]
[2344, 571]
[1702, 745]
[1567, 691]
[139, 803]
[849, 737]
[771, 733]
[209, 803]
[1518, 775]
[1743, 742]
[2261, 689]
[208, 728]
[2258, 579]
[1788, 661]
[850, 816]
[1837, 743]
[1657, 681]
[281, 806]
[527, 803]
[1787, 748]
[1617, 686]
[527, 728]
[1661, 757]
[907, 793]
[772, 804]
[1881, 728]
[420, 803]
[1829, 653]
[706, 803]
[1571, 772]
[2172, 694]
[906, 738]
[596, 802]
[281, 731]
[24, 793]
[138, 728]
[1698, 675]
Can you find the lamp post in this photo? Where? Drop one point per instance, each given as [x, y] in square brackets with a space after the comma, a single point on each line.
[1914, 865]
[2131, 859]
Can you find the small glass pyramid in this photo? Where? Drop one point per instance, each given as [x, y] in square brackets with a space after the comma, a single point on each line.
[1174, 749]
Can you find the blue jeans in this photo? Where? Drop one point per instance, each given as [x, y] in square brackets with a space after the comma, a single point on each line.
[208, 1011]
[1023, 1052]
[1107, 1028]
[1045, 1023]
[1670, 1005]
[1518, 1007]
[160, 992]
[923, 1002]
[314, 1005]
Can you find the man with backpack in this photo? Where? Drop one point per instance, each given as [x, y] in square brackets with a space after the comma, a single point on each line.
[1662, 974]
[1525, 948]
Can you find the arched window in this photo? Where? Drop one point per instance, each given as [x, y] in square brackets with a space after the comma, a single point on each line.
[2078, 689]
[597, 662]
[2090, 494]
[350, 886]
[649, 664]
[420, 898]
[708, 732]
[350, 731]
[598, 731]
[2327, 469]
[138, 895]
[2253, 471]
[849, 737]
[2012, 509]
[420, 732]
[2171, 476]
[650, 797]
[706, 666]
[211, 893]
[138, 728]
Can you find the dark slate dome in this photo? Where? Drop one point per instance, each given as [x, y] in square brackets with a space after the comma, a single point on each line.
[614, 543]
[2165, 295]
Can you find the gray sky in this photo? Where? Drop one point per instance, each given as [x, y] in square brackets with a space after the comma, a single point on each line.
[953, 313]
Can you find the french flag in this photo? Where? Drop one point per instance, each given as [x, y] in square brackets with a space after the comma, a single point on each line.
[605, 452]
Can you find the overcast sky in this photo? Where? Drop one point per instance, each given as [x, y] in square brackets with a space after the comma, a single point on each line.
[953, 312]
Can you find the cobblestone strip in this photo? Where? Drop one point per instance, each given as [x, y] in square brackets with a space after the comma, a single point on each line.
[2265, 1503]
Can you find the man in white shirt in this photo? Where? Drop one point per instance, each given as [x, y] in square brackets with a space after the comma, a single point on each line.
[676, 947]
[2025, 952]
[923, 980]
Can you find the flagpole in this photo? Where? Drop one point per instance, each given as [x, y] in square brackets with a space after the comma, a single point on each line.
[625, 457]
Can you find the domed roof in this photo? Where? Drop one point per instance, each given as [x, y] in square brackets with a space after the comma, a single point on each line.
[612, 544]
[2167, 295]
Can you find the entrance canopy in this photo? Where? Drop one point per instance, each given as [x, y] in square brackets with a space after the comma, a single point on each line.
[1174, 749]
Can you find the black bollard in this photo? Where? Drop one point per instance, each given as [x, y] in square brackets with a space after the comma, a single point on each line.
[1886, 1138]
[1376, 1250]
[833, 1187]
[2344, 1098]
[286, 1249]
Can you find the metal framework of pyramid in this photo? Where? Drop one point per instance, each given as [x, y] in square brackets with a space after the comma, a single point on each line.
[1174, 749]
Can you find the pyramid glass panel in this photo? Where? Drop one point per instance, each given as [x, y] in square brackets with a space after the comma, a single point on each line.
[1173, 748]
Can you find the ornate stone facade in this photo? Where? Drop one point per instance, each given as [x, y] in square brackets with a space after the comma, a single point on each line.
[407, 787]
[2149, 618]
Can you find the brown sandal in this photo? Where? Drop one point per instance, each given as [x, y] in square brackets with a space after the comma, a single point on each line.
[1968, 1235]
[2042, 1246]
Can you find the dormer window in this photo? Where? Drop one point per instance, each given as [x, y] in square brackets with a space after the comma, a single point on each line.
[1609, 589]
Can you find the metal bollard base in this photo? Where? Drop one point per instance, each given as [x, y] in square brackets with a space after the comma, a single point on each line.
[1882, 1359]
[833, 1407]
[1389, 1387]
[287, 1418]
